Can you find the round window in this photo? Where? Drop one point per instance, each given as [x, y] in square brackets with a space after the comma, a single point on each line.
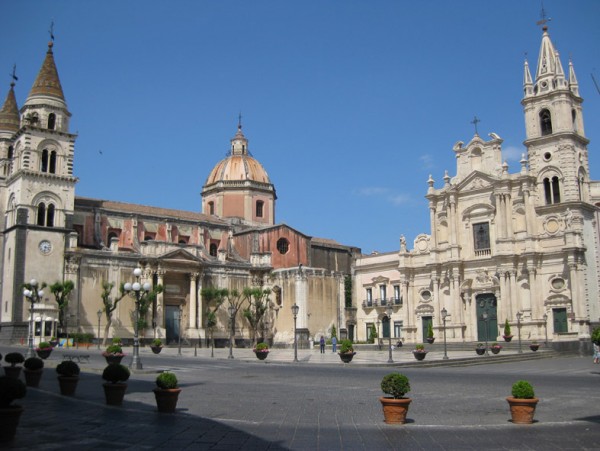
[558, 283]
[283, 246]
[426, 295]
[547, 156]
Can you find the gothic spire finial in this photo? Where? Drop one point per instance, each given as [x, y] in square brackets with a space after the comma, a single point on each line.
[544, 19]
[475, 121]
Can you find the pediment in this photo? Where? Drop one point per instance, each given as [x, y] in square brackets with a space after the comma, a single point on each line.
[475, 181]
[180, 255]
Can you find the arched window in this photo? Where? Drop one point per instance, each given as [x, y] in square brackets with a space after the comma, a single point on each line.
[52, 162]
[50, 216]
[212, 250]
[259, 208]
[41, 214]
[112, 235]
[211, 208]
[283, 246]
[574, 117]
[10, 152]
[545, 122]
[51, 121]
[552, 190]
[44, 167]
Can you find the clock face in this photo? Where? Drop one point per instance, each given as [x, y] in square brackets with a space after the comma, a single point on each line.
[45, 247]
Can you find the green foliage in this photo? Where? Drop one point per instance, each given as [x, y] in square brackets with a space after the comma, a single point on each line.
[67, 368]
[346, 346]
[116, 341]
[166, 380]
[11, 389]
[333, 331]
[115, 373]
[348, 291]
[429, 330]
[258, 306]
[395, 384]
[33, 363]
[261, 346]
[156, 342]
[372, 334]
[45, 345]
[14, 358]
[507, 332]
[62, 292]
[522, 390]
[420, 347]
[114, 349]
[596, 336]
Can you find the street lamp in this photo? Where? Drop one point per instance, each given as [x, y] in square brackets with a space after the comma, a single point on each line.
[33, 295]
[546, 328]
[139, 291]
[444, 316]
[295, 310]
[519, 315]
[486, 318]
[179, 333]
[232, 331]
[99, 313]
[390, 310]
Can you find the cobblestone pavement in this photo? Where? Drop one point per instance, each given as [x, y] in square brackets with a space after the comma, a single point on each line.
[317, 403]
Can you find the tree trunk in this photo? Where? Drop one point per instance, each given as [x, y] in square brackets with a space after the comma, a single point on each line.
[106, 329]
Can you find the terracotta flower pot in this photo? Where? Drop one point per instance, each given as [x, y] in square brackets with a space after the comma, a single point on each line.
[522, 410]
[9, 420]
[44, 353]
[507, 338]
[495, 350]
[156, 349]
[166, 399]
[420, 355]
[114, 358]
[346, 356]
[68, 385]
[261, 355]
[480, 351]
[12, 371]
[395, 410]
[534, 347]
[33, 377]
[114, 393]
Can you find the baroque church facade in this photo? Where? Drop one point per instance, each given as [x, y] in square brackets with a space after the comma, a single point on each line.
[52, 235]
[519, 246]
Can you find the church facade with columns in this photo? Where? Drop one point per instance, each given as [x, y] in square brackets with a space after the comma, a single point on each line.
[52, 235]
[518, 246]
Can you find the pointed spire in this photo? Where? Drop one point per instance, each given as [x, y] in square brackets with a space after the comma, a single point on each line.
[47, 82]
[239, 143]
[9, 114]
[573, 79]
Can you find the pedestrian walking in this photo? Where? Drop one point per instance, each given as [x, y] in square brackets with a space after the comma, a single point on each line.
[322, 343]
[596, 352]
[334, 343]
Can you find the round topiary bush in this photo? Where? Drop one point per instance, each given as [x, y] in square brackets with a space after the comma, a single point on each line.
[522, 390]
[44, 345]
[33, 364]
[156, 342]
[262, 347]
[115, 373]
[67, 368]
[114, 349]
[166, 380]
[395, 384]
[346, 346]
[14, 358]
[11, 389]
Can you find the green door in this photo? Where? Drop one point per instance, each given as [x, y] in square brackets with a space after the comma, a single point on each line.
[487, 318]
[425, 322]
[560, 320]
[385, 323]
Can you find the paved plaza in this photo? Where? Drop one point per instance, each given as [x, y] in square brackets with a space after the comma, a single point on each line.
[317, 403]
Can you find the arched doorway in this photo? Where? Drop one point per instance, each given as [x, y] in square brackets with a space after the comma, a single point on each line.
[487, 317]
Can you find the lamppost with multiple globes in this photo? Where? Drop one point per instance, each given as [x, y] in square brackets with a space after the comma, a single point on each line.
[444, 316]
[546, 328]
[519, 315]
[231, 310]
[138, 291]
[99, 313]
[390, 310]
[33, 295]
[295, 310]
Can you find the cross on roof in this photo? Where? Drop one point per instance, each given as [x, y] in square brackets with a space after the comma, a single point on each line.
[475, 121]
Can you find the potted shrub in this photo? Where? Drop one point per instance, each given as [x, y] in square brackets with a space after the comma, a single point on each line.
[495, 348]
[156, 345]
[261, 351]
[507, 335]
[53, 342]
[347, 352]
[14, 358]
[10, 389]
[396, 405]
[419, 352]
[113, 354]
[430, 338]
[534, 346]
[117, 341]
[68, 377]
[33, 368]
[480, 349]
[522, 403]
[44, 350]
[116, 376]
[166, 392]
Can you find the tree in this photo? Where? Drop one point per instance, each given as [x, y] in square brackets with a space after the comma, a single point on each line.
[214, 297]
[62, 292]
[110, 305]
[147, 298]
[372, 334]
[236, 300]
[333, 331]
[258, 305]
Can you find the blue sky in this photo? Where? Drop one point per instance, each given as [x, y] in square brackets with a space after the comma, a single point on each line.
[348, 104]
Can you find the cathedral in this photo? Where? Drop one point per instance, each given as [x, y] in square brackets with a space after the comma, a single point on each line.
[517, 247]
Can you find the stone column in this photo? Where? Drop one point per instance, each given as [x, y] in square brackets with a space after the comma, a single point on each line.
[193, 325]
[499, 215]
[433, 228]
[405, 301]
[436, 298]
[160, 300]
[508, 218]
[574, 283]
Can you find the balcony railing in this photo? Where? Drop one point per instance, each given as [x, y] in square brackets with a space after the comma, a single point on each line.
[483, 252]
[371, 303]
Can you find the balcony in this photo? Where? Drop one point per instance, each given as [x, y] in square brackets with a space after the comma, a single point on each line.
[372, 303]
[483, 253]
